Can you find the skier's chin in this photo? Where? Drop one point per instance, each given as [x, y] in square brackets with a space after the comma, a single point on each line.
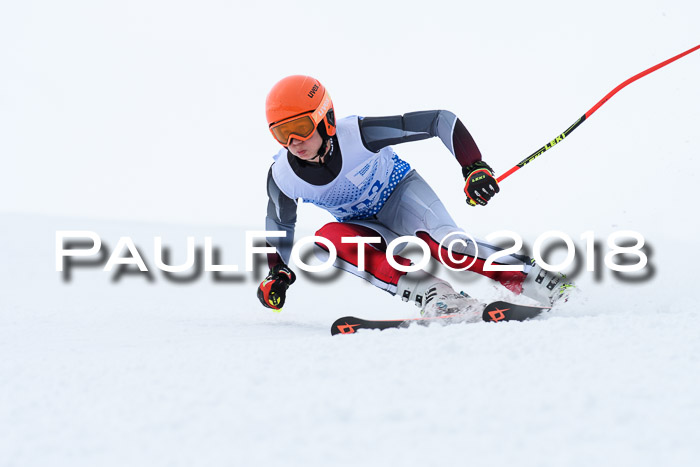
[304, 155]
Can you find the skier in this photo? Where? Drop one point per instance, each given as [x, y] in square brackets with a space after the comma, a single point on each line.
[349, 168]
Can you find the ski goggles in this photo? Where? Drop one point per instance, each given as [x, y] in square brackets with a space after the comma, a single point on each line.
[300, 126]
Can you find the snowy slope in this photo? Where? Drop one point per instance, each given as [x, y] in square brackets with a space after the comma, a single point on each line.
[165, 374]
[139, 120]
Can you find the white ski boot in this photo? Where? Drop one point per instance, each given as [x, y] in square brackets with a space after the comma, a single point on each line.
[547, 287]
[435, 297]
[441, 299]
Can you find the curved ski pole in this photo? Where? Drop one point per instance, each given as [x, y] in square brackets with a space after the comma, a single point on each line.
[566, 133]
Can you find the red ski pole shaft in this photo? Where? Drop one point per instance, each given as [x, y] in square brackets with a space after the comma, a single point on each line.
[590, 112]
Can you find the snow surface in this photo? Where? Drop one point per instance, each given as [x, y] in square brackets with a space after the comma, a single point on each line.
[135, 120]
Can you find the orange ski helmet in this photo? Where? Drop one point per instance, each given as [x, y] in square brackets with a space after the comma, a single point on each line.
[296, 106]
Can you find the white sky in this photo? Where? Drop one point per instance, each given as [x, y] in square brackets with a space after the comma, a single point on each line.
[154, 110]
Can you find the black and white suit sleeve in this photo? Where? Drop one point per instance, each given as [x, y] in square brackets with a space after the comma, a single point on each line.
[281, 215]
[379, 132]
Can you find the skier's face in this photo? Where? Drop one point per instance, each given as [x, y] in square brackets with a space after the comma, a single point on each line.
[308, 149]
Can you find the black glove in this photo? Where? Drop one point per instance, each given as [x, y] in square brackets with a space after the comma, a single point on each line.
[273, 289]
[480, 185]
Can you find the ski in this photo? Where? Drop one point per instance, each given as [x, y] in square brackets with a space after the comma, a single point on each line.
[505, 311]
[495, 312]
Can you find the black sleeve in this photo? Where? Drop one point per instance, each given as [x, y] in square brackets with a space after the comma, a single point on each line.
[281, 215]
[379, 132]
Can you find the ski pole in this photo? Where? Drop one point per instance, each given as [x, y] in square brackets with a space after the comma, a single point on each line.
[568, 131]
